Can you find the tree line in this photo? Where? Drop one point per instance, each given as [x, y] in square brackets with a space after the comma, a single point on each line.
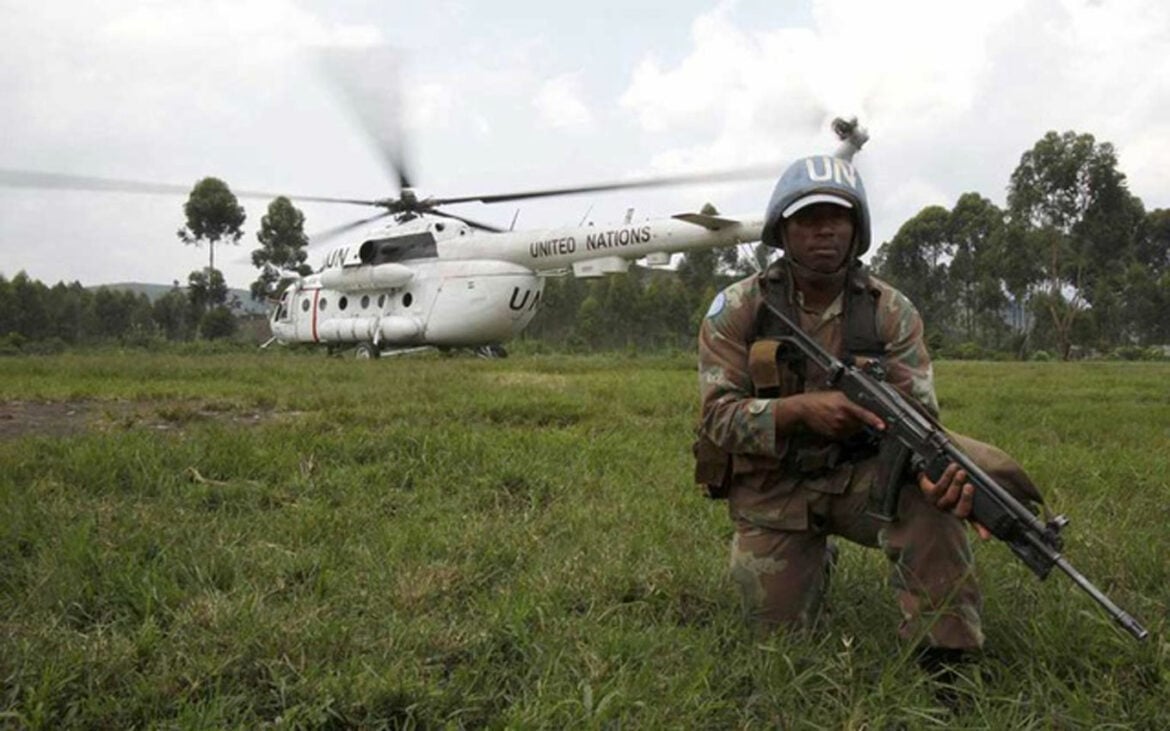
[1073, 264]
[39, 318]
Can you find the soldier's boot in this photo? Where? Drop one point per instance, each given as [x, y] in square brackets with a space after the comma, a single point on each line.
[943, 666]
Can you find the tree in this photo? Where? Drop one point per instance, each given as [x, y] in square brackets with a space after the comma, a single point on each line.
[976, 227]
[172, 314]
[1068, 191]
[915, 261]
[122, 314]
[213, 214]
[205, 292]
[1153, 244]
[71, 315]
[282, 253]
[1144, 288]
[30, 316]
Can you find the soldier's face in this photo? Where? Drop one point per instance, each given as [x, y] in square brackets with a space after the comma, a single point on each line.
[819, 236]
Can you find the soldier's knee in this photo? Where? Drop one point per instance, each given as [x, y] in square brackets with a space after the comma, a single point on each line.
[775, 586]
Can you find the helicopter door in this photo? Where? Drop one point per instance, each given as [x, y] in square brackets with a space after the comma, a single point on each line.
[282, 308]
[305, 317]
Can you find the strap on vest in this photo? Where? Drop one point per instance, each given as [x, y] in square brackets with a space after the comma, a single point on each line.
[861, 336]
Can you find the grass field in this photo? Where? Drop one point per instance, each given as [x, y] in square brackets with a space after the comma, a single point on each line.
[274, 541]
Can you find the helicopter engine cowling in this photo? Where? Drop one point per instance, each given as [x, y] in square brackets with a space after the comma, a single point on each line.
[380, 276]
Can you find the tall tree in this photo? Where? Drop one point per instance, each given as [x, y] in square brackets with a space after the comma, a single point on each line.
[213, 215]
[282, 253]
[915, 261]
[977, 231]
[1068, 190]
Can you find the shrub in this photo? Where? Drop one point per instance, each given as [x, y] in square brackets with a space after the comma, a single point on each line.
[1128, 352]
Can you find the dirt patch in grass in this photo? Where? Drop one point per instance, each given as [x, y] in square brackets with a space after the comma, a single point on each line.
[24, 418]
[68, 418]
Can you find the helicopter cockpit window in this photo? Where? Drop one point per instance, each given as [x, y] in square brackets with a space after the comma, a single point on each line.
[404, 248]
[343, 303]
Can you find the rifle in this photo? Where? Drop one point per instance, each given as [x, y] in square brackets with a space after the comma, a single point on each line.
[914, 439]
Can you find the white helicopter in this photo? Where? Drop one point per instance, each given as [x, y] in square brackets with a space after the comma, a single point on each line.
[442, 280]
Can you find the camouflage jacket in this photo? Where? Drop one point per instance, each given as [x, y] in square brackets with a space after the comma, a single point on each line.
[738, 422]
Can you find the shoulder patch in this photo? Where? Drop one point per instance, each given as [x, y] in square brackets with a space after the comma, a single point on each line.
[717, 305]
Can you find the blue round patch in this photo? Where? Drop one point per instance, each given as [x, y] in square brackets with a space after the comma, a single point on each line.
[716, 305]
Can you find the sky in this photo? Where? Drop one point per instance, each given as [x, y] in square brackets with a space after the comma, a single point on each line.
[516, 94]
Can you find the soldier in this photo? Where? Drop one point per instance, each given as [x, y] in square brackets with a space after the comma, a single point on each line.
[794, 461]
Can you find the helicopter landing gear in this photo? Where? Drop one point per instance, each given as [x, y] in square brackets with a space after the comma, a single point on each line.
[491, 351]
[366, 351]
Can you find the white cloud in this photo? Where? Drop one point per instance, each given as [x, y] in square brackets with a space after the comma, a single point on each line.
[560, 105]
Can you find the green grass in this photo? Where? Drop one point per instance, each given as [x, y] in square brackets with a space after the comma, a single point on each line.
[251, 541]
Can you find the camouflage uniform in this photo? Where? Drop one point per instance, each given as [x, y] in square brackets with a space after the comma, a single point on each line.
[783, 515]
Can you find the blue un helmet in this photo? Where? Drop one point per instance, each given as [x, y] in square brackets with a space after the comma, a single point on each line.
[818, 179]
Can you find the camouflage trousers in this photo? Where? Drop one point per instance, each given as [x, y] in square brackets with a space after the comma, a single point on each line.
[778, 554]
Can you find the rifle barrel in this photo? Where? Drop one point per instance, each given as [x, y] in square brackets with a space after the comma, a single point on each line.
[1122, 617]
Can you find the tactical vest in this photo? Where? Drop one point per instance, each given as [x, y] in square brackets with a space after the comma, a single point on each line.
[778, 371]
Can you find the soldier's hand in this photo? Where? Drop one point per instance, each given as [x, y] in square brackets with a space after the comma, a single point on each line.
[832, 414]
[952, 494]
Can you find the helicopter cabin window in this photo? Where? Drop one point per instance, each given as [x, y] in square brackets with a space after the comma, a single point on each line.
[381, 300]
[407, 299]
[343, 303]
[419, 245]
[304, 305]
[324, 303]
[365, 301]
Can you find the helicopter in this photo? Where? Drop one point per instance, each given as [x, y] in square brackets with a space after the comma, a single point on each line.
[437, 279]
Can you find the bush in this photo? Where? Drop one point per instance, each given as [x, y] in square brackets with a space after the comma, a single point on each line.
[1041, 355]
[967, 351]
[1128, 352]
[51, 346]
[11, 343]
[218, 323]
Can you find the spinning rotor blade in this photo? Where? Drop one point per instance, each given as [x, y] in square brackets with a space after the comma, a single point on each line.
[367, 80]
[748, 173]
[320, 237]
[33, 179]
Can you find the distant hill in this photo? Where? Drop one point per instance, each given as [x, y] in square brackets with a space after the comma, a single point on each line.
[240, 299]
